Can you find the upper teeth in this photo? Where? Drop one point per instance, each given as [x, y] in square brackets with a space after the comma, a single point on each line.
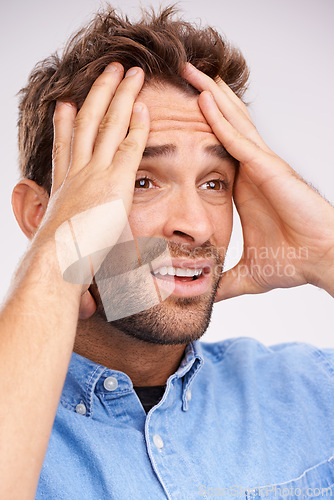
[178, 271]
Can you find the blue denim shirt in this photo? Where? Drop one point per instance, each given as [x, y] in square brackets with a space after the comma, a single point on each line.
[237, 420]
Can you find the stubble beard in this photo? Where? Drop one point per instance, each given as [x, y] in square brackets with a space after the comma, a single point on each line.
[175, 320]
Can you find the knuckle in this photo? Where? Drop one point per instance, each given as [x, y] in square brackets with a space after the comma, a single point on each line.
[252, 129]
[243, 106]
[83, 120]
[128, 146]
[233, 140]
[122, 92]
[216, 123]
[59, 148]
[244, 109]
[139, 126]
[104, 80]
[109, 122]
[129, 86]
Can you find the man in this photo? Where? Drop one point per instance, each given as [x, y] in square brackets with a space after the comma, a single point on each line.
[146, 409]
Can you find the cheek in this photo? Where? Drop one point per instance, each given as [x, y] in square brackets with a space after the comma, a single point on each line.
[145, 221]
[223, 222]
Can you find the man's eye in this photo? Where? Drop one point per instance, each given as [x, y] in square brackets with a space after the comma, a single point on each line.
[214, 185]
[143, 183]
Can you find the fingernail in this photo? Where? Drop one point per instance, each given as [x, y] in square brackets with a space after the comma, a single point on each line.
[190, 66]
[111, 67]
[131, 72]
[138, 107]
[63, 103]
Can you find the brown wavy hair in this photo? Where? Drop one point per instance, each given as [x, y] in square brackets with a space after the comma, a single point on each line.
[160, 43]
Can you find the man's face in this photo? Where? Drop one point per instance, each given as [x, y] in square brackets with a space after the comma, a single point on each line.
[183, 195]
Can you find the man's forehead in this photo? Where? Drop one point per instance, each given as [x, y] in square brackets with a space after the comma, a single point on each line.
[172, 109]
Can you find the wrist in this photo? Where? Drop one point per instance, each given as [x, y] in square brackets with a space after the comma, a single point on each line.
[328, 281]
[324, 276]
[40, 267]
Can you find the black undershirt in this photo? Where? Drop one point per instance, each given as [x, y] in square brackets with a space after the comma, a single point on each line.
[150, 396]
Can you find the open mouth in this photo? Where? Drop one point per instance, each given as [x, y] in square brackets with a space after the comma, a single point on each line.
[184, 279]
[180, 274]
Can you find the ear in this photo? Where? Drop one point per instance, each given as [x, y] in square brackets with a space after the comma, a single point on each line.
[29, 202]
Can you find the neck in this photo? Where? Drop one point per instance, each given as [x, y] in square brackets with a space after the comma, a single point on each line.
[146, 364]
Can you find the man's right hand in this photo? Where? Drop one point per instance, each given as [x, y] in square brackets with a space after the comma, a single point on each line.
[96, 154]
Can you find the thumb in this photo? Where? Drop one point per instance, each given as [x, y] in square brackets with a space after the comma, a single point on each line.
[235, 282]
[87, 306]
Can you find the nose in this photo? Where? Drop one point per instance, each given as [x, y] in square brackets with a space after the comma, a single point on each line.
[188, 219]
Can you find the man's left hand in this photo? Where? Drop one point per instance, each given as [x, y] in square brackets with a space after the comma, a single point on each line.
[288, 228]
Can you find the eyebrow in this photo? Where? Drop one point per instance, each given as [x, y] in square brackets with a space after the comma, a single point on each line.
[216, 150]
[163, 150]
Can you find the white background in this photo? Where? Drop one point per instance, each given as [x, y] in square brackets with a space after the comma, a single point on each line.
[289, 47]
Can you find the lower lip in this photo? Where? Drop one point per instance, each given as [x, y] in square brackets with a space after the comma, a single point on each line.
[180, 288]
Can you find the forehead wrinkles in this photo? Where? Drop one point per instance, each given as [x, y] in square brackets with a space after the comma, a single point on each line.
[178, 118]
[170, 109]
[192, 126]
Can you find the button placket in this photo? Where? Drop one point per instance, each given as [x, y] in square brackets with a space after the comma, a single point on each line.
[187, 395]
[157, 440]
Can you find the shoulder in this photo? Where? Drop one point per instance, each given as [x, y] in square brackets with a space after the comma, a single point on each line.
[249, 352]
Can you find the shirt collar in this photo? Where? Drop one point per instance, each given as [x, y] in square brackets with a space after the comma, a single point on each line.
[193, 352]
[84, 377]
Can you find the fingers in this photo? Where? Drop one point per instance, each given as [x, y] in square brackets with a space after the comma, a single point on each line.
[114, 127]
[236, 143]
[263, 166]
[63, 121]
[103, 121]
[239, 136]
[201, 82]
[87, 306]
[131, 150]
[92, 113]
[99, 127]
[233, 109]
[229, 92]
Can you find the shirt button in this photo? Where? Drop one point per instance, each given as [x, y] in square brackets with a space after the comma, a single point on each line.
[110, 383]
[81, 409]
[157, 440]
[188, 395]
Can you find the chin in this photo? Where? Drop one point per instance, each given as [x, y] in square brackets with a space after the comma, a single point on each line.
[128, 305]
[175, 321]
